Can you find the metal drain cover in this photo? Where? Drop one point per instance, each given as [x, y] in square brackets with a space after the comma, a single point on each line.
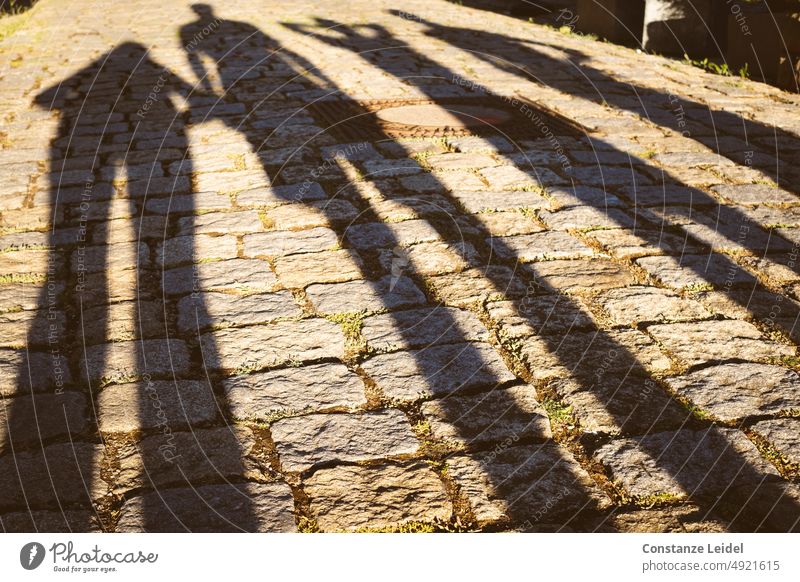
[432, 115]
[348, 120]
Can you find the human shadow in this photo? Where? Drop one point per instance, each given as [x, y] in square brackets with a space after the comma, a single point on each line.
[444, 346]
[747, 142]
[663, 198]
[425, 361]
[633, 400]
[114, 425]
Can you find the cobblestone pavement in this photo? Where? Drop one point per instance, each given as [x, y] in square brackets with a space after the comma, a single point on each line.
[232, 298]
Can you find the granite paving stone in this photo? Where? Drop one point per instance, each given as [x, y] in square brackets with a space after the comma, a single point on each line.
[376, 498]
[535, 483]
[315, 388]
[306, 442]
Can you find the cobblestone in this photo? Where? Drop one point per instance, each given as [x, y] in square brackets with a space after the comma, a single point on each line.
[546, 314]
[540, 246]
[323, 213]
[262, 346]
[434, 258]
[122, 321]
[371, 235]
[437, 370]
[70, 462]
[579, 276]
[697, 343]
[508, 223]
[754, 194]
[693, 271]
[698, 463]
[389, 292]
[477, 285]
[631, 305]
[32, 328]
[593, 353]
[148, 405]
[306, 442]
[180, 458]
[314, 388]
[278, 244]
[535, 484]
[586, 217]
[250, 507]
[781, 433]
[120, 361]
[66, 521]
[420, 327]
[187, 249]
[221, 310]
[512, 414]
[375, 498]
[298, 271]
[734, 391]
[477, 201]
[242, 275]
[38, 372]
[221, 223]
[64, 414]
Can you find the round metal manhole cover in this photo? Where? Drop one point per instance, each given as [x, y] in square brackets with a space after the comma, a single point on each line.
[448, 116]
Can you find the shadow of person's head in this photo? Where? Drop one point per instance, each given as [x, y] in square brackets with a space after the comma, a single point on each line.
[126, 65]
[204, 11]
